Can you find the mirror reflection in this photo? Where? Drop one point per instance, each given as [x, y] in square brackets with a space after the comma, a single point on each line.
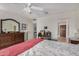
[10, 25]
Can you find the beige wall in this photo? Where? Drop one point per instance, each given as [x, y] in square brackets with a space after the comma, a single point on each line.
[20, 18]
[52, 22]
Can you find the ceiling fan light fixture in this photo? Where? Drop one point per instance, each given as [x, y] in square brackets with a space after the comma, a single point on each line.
[29, 9]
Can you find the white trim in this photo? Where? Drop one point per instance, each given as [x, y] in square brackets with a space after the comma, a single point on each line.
[64, 22]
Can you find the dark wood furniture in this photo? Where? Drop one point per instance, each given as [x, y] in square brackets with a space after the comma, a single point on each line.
[74, 41]
[8, 39]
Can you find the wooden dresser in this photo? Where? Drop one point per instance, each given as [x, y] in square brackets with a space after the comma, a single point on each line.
[8, 39]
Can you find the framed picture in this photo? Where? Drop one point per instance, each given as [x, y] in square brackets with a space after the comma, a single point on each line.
[24, 26]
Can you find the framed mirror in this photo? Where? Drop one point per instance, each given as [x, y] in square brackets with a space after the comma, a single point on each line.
[10, 25]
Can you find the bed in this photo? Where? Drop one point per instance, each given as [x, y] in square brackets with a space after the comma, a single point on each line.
[16, 49]
[52, 48]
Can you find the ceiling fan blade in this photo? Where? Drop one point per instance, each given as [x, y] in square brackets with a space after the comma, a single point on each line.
[37, 8]
[29, 5]
[27, 8]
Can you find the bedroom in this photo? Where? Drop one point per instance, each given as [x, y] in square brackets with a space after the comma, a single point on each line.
[28, 15]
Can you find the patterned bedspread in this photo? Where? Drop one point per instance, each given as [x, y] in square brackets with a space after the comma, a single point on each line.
[52, 48]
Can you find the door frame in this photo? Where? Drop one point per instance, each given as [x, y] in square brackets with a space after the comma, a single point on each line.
[66, 22]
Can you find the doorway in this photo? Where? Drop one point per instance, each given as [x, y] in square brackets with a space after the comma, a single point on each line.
[62, 33]
[35, 30]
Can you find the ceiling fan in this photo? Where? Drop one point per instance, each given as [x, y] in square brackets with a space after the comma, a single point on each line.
[29, 7]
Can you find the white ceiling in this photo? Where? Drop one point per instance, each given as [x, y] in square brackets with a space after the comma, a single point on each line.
[51, 8]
